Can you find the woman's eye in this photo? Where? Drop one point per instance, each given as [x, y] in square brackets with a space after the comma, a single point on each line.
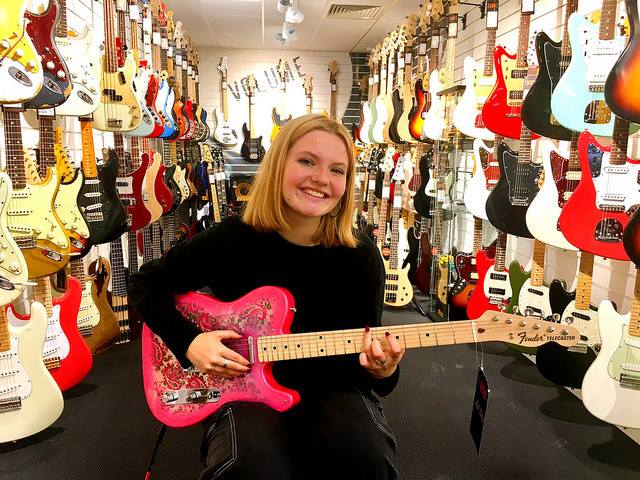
[338, 171]
[305, 161]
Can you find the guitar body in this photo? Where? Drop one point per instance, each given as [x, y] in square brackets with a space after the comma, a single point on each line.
[82, 58]
[131, 193]
[88, 315]
[380, 119]
[433, 127]
[365, 123]
[173, 187]
[57, 85]
[402, 124]
[164, 106]
[181, 180]
[493, 287]
[37, 401]
[21, 76]
[544, 212]
[467, 115]
[100, 204]
[66, 207]
[151, 98]
[43, 241]
[508, 201]
[147, 122]
[599, 231]
[398, 290]
[562, 365]
[423, 271]
[535, 298]
[252, 150]
[223, 133]
[624, 76]
[119, 108]
[573, 100]
[602, 393]
[161, 191]
[164, 378]
[500, 114]
[477, 189]
[422, 202]
[467, 276]
[278, 122]
[416, 122]
[107, 331]
[150, 180]
[396, 101]
[536, 107]
[13, 267]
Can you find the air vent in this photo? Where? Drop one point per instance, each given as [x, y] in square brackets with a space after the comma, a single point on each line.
[354, 12]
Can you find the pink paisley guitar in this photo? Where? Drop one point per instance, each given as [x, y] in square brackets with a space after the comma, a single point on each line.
[179, 397]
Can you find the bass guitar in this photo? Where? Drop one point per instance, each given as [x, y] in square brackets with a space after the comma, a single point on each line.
[130, 189]
[88, 316]
[179, 397]
[403, 99]
[379, 103]
[279, 118]
[30, 398]
[223, 133]
[108, 331]
[567, 366]
[605, 197]
[610, 386]
[252, 150]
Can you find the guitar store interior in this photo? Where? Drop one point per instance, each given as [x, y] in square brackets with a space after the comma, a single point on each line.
[431, 162]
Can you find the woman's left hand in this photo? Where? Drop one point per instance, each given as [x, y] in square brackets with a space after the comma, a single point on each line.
[378, 362]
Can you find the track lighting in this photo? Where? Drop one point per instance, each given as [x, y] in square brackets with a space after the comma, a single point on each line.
[283, 5]
[293, 15]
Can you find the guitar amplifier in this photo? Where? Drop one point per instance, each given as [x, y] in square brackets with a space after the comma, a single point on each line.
[240, 177]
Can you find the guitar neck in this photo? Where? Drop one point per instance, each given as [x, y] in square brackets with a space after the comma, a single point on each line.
[13, 147]
[395, 226]
[565, 50]
[523, 39]
[111, 57]
[333, 104]
[537, 266]
[61, 28]
[42, 294]
[133, 248]
[585, 275]
[122, 162]
[574, 159]
[619, 141]
[46, 142]
[608, 20]
[634, 317]
[89, 167]
[501, 250]
[223, 97]
[77, 270]
[488, 52]
[118, 275]
[477, 235]
[252, 132]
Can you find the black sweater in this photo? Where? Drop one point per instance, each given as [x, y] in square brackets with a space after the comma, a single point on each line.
[333, 288]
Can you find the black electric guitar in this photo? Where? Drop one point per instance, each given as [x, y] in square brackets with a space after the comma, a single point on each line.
[553, 59]
[98, 199]
[252, 150]
[422, 202]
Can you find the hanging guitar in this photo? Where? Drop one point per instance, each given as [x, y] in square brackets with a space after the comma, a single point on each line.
[252, 150]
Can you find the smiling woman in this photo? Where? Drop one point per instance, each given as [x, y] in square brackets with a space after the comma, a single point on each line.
[295, 233]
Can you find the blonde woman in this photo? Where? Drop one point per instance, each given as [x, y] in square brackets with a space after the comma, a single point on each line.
[295, 232]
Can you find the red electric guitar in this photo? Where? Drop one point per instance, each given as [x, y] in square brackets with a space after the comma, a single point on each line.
[501, 112]
[130, 188]
[598, 211]
[179, 397]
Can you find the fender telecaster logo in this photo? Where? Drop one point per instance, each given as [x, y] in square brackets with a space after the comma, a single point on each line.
[544, 338]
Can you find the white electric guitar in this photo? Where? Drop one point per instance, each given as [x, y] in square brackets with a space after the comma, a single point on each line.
[223, 133]
[534, 294]
[544, 212]
[480, 185]
[30, 399]
[611, 386]
[497, 287]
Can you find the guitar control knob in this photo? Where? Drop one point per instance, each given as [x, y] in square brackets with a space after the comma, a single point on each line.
[4, 44]
[50, 65]
[3, 257]
[19, 53]
[14, 267]
[74, 75]
[50, 235]
[3, 245]
[37, 231]
[85, 81]
[61, 74]
[31, 66]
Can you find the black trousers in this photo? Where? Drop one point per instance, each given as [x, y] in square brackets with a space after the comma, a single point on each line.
[327, 436]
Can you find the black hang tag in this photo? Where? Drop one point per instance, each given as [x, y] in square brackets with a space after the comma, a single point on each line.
[479, 410]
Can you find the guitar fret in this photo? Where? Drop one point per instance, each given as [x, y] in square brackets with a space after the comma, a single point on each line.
[585, 275]
[565, 49]
[607, 20]
[13, 148]
[477, 235]
[619, 141]
[488, 52]
[501, 247]
[523, 40]
[5, 339]
[537, 266]
[634, 317]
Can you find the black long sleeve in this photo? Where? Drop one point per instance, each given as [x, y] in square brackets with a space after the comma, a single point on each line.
[333, 288]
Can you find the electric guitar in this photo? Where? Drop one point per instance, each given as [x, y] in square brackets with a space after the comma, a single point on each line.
[605, 197]
[393, 102]
[279, 118]
[252, 150]
[379, 103]
[30, 398]
[119, 302]
[479, 81]
[422, 202]
[57, 84]
[109, 328]
[404, 101]
[119, 108]
[334, 70]
[130, 188]
[485, 176]
[493, 289]
[501, 112]
[13, 267]
[32, 220]
[99, 201]
[610, 386]
[553, 59]
[398, 290]
[578, 101]
[166, 97]
[82, 58]
[379, 223]
[223, 133]
[623, 77]
[567, 366]
[74, 360]
[179, 398]
[561, 174]
[367, 112]
[88, 316]
[20, 71]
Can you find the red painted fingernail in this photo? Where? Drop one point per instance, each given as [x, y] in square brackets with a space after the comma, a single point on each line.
[387, 333]
[366, 329]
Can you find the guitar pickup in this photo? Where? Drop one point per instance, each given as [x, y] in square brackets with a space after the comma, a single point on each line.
[579, 348]
[630, 381]
[10, 404]
[191, 396]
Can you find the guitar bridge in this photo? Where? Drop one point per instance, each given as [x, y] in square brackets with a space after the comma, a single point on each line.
[191, 396]
[10, 404]
[630, 381]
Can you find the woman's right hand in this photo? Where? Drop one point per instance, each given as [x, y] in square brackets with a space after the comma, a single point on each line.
[209, 355]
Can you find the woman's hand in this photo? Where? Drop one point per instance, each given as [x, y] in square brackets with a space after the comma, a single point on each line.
[380, 363]
[210, 355]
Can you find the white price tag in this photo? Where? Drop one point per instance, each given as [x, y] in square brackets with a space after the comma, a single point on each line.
[308, 101]
[386, 191]
[435, 41]
[400, 63]
[212, 177]
[220, 176]
[197, 77]
[165, 43]
[146, 24]
[252, 101]
[372, 184]
[397, 200]
[179, 59]
[184, 63]
[170, 52]
[134, 12]
[370, 80]
[392, 68]
[156, 38]
[189, 70]
[376, 78]
[422, 49]
[46, 112]
[492, 19]
[224, 85]
[333, 87]
[407, 58]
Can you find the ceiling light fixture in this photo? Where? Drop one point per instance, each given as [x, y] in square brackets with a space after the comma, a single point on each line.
[293, 15]
[283, 5]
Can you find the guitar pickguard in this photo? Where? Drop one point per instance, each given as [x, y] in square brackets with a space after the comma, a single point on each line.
[522, 180]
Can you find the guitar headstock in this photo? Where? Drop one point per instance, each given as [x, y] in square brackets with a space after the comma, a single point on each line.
[452, 30]
[523, 331]
[308, 85]
[177, 35]
[410, 29]
[334, 70]
[398, 172]
[388, 164]
[424, 16]
[282, 70]
[223, 67]
[251, 85]
[437, 10]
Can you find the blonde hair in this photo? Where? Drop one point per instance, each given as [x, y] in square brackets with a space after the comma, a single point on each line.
[264, 210]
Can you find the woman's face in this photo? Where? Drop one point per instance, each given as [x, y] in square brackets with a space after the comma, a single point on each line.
[315, 175]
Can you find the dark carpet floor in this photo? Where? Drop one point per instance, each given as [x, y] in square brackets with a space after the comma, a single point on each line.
[534, 430]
